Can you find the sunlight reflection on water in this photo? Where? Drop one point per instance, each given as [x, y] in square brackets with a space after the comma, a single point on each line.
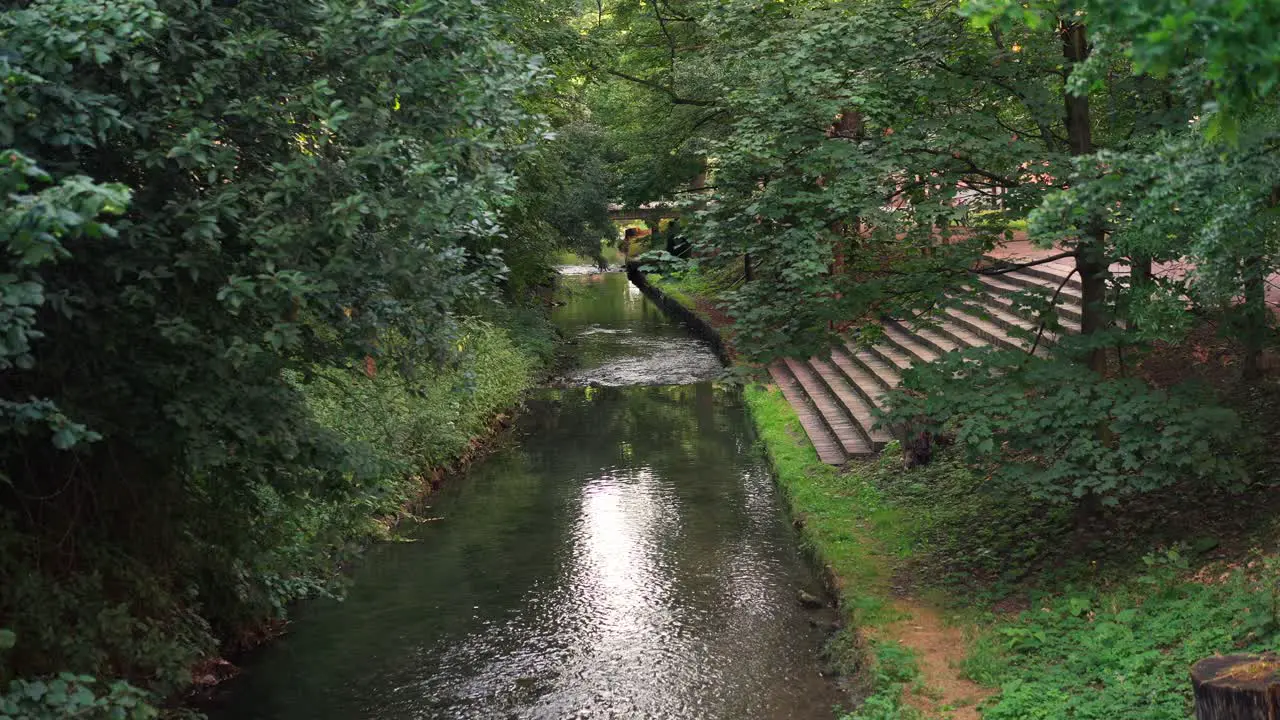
[625, 556]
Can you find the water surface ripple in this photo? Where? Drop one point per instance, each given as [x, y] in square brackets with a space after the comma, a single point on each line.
[624, 339]
[625, 555]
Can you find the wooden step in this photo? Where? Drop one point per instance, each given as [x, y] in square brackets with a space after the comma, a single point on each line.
[913, 344]
[833, 415]
[929, 335]
[1053, 275]
[1068, 306]
[824, 442]
[1031, 281]
[991, 333]
[836, 397]
[862, 380]
[1068, 317]
[855, 404]
[1014, 325]
[897, 358]
[957, 335]
[886, 374]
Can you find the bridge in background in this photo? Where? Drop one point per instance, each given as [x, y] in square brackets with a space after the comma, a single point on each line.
[651, 211]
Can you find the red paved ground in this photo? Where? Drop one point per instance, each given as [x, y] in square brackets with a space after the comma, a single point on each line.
[1021, 250]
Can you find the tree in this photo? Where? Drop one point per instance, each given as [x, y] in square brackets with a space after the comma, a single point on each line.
[312, 185]
[1020, 113]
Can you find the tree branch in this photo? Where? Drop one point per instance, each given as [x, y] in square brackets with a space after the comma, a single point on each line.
[1053, 303]
[671, 94]
[1000, 180]
[1019, 266]
[671, 44]
[1046, 134]
[707, 118]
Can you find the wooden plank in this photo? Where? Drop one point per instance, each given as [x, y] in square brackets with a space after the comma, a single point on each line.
[855, 403]
[885, 374]
[828, 448]
[835, 417]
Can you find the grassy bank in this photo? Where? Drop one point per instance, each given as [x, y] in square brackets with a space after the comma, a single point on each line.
[844, 517]
[849, 526]
[412, 430]
[1053, 623]
[964, 599]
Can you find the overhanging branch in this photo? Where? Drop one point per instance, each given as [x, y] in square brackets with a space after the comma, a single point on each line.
[1019, 266]
[671, 94]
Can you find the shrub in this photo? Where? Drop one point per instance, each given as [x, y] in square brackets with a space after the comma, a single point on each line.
[1059, 432]
[311, 184]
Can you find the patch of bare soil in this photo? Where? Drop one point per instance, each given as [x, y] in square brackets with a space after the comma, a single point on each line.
[939, 648]
[1204, 355]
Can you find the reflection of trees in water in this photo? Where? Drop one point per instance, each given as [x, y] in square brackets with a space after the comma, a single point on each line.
[691, 436]
[506, 585]
[603, 300]
[621, 338]
[512, 505]
[663, 427]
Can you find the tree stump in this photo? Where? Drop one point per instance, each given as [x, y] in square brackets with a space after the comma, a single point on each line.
[1237, 687]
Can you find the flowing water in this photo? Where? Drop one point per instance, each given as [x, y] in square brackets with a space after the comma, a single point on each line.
[624, 555]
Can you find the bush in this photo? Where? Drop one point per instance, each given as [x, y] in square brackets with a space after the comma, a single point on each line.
[1124, 653]
[291, 188]
[963, 528]
[1059, 432]
[406, 426]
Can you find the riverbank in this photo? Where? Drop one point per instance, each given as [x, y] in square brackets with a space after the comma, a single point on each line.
[687, 311]
[964, 603]
[612, 560]
[169, 636]
[418, 432]
[896, 656]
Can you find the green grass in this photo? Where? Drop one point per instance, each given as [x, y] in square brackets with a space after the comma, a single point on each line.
[1085, 647]
[703, 282]
[609, 252]
[1123, 652]
[847, 526]
[674, 289]
[844, 517]
[1079, 622]
[407, 428]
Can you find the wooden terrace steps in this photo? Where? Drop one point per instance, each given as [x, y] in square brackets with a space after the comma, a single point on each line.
[836, 396]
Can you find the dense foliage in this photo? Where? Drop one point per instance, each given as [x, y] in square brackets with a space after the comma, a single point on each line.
[257, 251]
[864, 156]
[1043, 416]
[257, 254]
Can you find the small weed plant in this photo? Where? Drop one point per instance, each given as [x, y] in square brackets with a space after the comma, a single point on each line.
[1124, 653]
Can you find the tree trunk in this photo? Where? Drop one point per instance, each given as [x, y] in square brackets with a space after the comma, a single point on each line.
[1091, 258]
[699, 181]
[1094, 313]
[746, 268]
[1075, 48]
[848, 126]
[1141, 270]
[1237, 687]
[1140, 276]
[1255, 316]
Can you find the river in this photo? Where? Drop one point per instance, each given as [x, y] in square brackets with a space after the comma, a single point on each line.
[623, 554]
